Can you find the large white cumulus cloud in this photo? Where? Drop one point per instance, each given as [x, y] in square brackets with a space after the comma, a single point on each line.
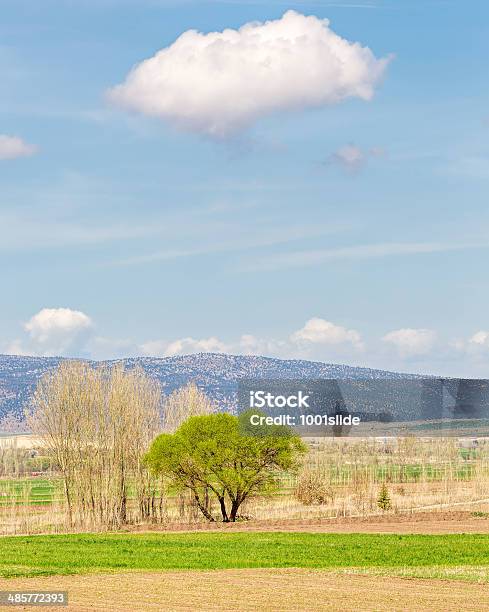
[220, 82]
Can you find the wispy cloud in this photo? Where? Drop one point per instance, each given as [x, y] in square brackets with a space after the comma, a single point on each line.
[238, 239]
[367, 4]
[347, 4]
[367, 251]
[30, 232]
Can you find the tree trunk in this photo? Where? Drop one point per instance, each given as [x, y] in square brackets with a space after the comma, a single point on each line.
[234, 510]
[203, 509]
[68, 501]
[123, 500]
[222, 502]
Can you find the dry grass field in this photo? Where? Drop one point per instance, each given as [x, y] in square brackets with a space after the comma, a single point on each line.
[340, 478]
[414, 523]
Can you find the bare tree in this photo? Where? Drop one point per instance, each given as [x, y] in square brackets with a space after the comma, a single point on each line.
[97, 423]
[183, 403]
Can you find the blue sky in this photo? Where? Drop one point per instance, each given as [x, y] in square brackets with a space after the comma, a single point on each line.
[354, 232]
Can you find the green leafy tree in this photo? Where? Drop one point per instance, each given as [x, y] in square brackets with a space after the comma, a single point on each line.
[215, 453]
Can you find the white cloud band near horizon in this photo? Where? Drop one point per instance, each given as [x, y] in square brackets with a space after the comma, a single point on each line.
[63, 332]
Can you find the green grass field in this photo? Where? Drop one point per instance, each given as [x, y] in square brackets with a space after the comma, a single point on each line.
[33, 491]
[88, 553]
[402, 473]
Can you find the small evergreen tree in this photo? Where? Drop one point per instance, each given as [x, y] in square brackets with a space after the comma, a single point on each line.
[384, 500]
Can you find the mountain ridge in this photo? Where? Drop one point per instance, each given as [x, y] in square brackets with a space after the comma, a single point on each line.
[216, 373]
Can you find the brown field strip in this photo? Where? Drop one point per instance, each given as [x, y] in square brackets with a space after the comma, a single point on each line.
[281, 590]
[426, 522]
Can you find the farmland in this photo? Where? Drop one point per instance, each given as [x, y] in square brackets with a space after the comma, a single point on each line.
[30, 491]
[287, 590]
[249, 571]
[420, 474]
[96, 553]
[430, 550]
[349, 522]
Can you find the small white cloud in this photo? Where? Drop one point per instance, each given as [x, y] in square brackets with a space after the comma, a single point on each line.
[475, 350]
[477, 345]
[12, 147]
[52, 320]
[251, 345]
[480, 338]
[411, 342]
[221, 82]
[352, 158]
[53, 332]
[320, 331]
[182, 346]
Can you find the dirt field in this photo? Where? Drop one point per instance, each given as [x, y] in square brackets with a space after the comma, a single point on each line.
[422, 522]
[252, 590]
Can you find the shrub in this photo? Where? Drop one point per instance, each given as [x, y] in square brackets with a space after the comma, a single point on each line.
[313, 488]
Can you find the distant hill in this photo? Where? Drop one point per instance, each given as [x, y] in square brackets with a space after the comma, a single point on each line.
[216, 374]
